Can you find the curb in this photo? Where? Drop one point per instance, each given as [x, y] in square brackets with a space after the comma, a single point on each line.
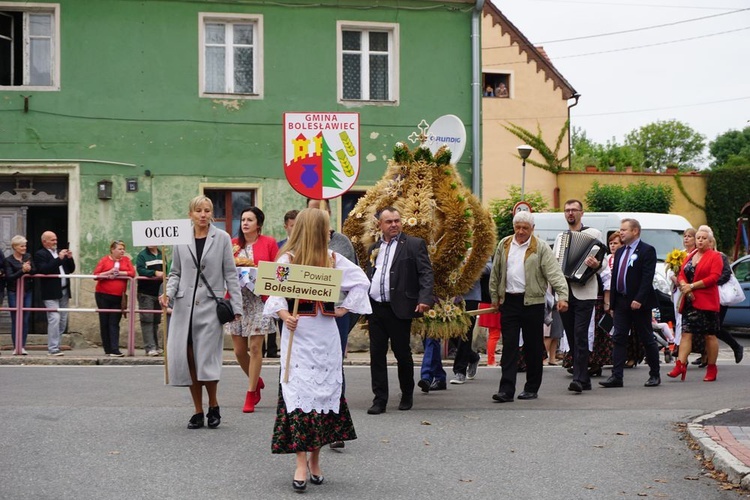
[736, 471]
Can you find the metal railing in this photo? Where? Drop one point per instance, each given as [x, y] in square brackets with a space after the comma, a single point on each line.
[131, 309]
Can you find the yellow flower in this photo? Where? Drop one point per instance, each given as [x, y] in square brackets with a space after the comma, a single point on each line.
[431, 314]
[411, 221]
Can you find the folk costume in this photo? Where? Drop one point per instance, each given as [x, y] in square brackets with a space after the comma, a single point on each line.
[311, 410]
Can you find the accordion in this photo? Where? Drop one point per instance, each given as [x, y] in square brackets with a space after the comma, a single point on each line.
[574, 248]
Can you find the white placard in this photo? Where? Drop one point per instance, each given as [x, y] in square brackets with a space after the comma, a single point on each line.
[162, 232]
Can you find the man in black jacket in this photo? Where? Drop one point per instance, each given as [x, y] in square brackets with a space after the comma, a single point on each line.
[55, 291]
[402, 289]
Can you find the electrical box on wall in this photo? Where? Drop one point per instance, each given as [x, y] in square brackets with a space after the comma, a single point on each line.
[104, 190]
[131, 185]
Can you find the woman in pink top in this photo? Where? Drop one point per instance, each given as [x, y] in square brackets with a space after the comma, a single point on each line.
[249, 248]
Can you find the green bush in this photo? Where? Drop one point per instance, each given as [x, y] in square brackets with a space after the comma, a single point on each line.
[640, 197]
[502, 210]
[727, 191]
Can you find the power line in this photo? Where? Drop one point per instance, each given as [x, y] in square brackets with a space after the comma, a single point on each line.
[633, 30]
[622, 49]
[663, 108]
[652, 44]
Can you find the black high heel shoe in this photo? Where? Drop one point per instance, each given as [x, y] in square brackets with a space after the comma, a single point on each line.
[299, 486]
[214, 417]
[196, 421]
[318, 480]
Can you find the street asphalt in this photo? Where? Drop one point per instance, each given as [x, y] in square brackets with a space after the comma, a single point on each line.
[117, 432]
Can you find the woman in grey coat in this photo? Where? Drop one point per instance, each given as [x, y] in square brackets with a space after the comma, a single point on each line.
[196, 341]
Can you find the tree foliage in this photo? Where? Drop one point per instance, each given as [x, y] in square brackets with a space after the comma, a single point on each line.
[502, 210]
[727, 191]
[610, 155]
[665, 143]
[637, 197]
[731, 148]
[553, 162]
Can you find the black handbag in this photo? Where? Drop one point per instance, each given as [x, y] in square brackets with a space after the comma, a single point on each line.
[224, 310]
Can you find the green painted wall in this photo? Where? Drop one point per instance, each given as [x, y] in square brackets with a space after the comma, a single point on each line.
[129, 93]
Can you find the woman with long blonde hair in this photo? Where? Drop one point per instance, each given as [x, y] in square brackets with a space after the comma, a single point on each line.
[312, 411]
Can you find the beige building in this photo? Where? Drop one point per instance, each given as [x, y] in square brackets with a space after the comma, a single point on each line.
[527, 91]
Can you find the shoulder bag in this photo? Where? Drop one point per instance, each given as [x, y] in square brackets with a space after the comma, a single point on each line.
[224, 310]
[731, 292]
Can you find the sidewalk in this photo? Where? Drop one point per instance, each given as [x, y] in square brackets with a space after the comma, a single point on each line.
[724, 438]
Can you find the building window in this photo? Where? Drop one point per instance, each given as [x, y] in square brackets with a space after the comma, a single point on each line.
[29, 46]
[496, 85]
[368, 62]
[231, 53]
[228, 206]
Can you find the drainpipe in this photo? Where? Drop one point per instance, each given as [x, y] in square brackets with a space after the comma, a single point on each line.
[476, 90]
[575, 96]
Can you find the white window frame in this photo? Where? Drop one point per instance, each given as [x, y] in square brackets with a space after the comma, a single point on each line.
[393, 62]
[38, 8]
[215, 17]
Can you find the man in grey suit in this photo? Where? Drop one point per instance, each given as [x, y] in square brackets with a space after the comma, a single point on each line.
[402, 289]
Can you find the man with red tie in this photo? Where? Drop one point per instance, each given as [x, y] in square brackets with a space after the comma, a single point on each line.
[632, 298]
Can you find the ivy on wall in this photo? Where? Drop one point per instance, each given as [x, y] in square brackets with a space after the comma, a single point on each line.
[681, 187]
[727, 191]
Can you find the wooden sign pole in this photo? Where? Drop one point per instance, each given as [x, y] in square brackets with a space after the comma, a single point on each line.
[289, 344]
[164, 312]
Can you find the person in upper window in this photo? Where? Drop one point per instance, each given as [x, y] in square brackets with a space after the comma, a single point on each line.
[501, 90]
[488, 92]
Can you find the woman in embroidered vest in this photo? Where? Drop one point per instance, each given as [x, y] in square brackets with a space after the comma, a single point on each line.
[249, 248]
[311, 410]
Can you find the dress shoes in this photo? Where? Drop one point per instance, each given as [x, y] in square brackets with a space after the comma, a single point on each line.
[376, 409]
[299, 486]
[612, 382]
[317, 480]
[196, 421]
[501, 397]
[424, 384]
[739, 352]
[653, 381]
[337, 445]
[527, 395]
[406, 403]
[575, 386]
[214, 417]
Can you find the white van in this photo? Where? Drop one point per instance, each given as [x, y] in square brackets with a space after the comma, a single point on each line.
[662, 231]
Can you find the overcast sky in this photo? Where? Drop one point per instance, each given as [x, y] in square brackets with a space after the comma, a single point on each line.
[704, 82]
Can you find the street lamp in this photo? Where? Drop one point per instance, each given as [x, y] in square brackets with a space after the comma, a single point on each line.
[524, 151]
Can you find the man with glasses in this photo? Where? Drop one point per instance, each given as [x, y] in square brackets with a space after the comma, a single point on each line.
[577, 319]
[55, 291]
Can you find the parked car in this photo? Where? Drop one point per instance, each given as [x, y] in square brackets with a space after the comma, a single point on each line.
[739, 314]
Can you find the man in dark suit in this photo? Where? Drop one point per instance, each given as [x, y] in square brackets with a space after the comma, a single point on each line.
[402, 289]
[55, 291]
[632, 297]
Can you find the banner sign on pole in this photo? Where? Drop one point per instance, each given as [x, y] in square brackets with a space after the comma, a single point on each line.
[153, 233]
[321, 153]
[298, 282]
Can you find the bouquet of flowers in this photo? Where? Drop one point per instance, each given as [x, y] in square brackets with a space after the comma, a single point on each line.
[674, 260]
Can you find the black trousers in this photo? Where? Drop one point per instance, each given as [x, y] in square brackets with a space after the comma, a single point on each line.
[109, 322]
[517, 319]
[385, 326]
[464, 353]
[576, 321]
[639, 321]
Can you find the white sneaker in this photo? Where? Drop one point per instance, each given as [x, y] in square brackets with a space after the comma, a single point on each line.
[152, 353]
[24, 353]
[55, 353]
[458, 378]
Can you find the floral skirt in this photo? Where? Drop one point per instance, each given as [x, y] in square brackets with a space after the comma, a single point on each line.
[252, 321]
[300, 431]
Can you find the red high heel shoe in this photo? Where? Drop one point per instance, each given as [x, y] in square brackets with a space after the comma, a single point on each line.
[256, 392]
[711, 372]
[680, 368]
[249, 402]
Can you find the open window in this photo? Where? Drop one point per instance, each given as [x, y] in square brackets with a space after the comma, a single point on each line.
[496, 85]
